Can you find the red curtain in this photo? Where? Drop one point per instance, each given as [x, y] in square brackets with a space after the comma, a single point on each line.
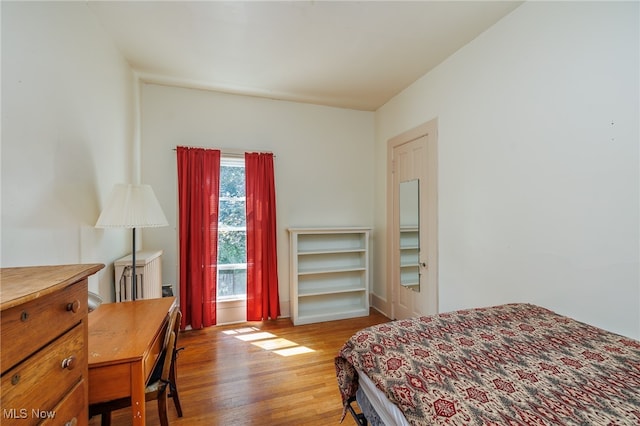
[262, 262]
[198, 189]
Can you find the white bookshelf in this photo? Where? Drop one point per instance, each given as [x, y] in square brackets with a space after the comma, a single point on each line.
[329, 274]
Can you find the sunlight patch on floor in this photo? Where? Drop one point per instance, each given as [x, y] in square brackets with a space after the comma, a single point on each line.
[240, 330]
[255, 336]
[277, 343]
[293, 351]
[268, 341]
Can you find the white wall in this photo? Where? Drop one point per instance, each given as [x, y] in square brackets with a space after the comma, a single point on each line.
[538, 163]
[323, 166]
[67, 97]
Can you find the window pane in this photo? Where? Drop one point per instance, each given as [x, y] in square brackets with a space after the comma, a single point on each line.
[232, 282]
[232, 241]
[232, 213]
[232, 181]
[232, 247]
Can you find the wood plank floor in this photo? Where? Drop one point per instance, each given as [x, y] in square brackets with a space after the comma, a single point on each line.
[233, 375]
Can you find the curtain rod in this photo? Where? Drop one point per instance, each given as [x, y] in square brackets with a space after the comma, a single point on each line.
[231, 153]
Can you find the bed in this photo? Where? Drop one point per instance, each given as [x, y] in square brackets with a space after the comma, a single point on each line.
[513, 364]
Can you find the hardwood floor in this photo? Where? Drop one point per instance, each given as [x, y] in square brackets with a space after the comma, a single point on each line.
[234, 375]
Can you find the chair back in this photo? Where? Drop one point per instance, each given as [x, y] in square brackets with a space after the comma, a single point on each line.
[173, 324]
[168, 346]
[176, 349]
[168, 359]
[177, 321]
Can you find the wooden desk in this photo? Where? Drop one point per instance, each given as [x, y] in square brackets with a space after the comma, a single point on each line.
[125, 340]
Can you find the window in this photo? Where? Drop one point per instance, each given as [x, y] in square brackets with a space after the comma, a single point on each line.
[232, 231]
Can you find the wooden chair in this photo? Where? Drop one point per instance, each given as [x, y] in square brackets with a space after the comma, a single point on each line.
[173, 384]
[161, 385]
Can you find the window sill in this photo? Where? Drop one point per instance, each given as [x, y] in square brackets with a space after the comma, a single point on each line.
[231, 301]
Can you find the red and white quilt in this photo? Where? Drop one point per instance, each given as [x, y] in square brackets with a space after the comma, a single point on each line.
[515, 364]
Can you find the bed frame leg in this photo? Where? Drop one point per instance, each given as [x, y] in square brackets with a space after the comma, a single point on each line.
[358, 417]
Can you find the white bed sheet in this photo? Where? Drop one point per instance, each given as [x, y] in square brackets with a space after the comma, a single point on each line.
[389, 413]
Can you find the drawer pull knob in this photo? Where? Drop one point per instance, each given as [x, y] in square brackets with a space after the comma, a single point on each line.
[69, 363]
[24, 316]
[72, 422]
[15, 379]
[73, 306]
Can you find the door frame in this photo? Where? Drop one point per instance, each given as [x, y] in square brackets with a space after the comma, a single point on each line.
[428, 294]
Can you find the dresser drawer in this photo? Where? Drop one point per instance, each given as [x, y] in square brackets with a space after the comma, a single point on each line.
[41, 382]
[26, 328]
[72, 411]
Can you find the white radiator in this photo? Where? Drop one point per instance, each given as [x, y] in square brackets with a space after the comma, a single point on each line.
[148, 276]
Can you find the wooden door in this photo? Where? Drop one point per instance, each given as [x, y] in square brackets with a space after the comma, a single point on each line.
[414, 157]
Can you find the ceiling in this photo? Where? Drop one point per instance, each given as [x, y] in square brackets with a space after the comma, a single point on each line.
[350, 54]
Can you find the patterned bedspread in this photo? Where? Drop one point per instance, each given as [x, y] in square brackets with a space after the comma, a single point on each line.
[515, 364]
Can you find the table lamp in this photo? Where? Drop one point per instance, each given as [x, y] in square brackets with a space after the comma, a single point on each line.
[132, 206]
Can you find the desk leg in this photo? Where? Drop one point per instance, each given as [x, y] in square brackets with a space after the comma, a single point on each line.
[138, 406]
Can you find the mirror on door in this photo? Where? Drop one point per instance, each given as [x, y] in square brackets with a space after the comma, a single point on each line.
[410, 234]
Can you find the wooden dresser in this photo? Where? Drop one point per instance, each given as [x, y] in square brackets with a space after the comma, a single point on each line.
[43, 342]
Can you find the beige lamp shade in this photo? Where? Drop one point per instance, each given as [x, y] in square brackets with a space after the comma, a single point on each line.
[132, 206]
